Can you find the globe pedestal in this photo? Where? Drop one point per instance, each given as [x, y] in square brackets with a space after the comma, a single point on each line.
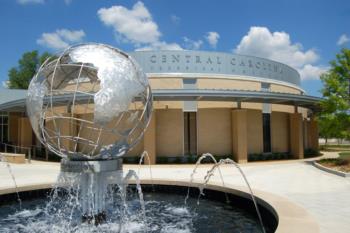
[93, 178]
[90, 105]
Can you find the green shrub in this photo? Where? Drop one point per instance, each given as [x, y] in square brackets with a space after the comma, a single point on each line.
[178, 159]
[344, 155]
[192, 158]
[335, 161]
[53, 157]
[132, 160]
[219, 157]
[267, 156]
[254, 157]
[310, 153]
[342, 162]
[162, 160]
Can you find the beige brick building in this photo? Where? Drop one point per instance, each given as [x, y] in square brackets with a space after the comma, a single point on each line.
[220, 103]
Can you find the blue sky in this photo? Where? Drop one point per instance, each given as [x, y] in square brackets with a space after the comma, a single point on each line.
[304, 34]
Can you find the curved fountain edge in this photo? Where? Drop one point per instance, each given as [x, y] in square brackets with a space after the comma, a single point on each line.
[291, 217]
[27, 187]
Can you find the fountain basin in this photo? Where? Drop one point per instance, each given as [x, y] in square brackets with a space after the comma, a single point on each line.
[291, 218]
[165, 212]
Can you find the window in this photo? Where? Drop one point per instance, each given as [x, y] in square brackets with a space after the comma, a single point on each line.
[265, 87]
[190, 133]
[266, 132]
[4, 133]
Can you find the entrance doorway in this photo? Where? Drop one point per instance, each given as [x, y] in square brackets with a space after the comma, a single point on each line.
[190, 133]
[267, 132]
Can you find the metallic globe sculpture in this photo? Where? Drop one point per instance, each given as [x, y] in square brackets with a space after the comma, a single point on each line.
[91, 102]
[90, 105]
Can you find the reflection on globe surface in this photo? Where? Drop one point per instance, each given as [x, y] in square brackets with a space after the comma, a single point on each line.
[90, 102]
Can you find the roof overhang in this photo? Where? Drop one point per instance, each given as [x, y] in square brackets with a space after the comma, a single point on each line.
[305, 101]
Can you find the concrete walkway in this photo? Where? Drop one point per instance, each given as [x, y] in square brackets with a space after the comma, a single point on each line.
[323, 195]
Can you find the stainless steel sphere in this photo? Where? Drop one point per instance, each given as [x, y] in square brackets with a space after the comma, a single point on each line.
[90, 102]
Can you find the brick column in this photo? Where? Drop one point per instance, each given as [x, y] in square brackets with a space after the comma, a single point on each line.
[24, 132]
[296, 135]
[306, 133]
[239, 135]
[13, 127]
[313, 134]
[67, 127]
[149, 139]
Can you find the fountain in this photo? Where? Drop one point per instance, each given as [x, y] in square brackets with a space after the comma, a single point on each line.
[90, 105]
[3, 159]
[106, 85]
[217, 165]
[199, 160]
[142, 159]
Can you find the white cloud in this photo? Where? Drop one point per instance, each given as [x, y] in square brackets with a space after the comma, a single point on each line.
[72, 36]
[175, 19]
[61, 38]
[67, 2]
[135, 25]
[160, 45]
[309, 72]
[23, 2]
[5, 84]
[343, 39]
[212, 38]
[192, 44]
[278, 46]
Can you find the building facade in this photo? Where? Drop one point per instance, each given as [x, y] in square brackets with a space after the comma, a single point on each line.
[220, 103]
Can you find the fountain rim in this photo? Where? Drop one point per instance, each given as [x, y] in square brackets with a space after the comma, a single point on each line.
[291, 217]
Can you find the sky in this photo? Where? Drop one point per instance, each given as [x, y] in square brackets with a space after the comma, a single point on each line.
[304, 34]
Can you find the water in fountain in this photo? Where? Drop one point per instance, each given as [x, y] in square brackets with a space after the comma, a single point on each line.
[4, 160]
[210, 173]
[165, 212]
[142, 159]
[91, 180]
[88, 193]
[79, 202]
[129, 175]
[107, 205]
[206, 155]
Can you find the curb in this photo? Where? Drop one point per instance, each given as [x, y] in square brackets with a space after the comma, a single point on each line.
[329, 170]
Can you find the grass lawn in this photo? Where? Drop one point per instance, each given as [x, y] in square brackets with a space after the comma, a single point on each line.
[344, 155]
[335, 147]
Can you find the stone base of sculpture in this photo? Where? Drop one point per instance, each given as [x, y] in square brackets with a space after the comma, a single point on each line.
[92, 179]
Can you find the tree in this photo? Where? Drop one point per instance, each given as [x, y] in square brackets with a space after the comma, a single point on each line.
[20, 76]
[333, 126]
[334, 120]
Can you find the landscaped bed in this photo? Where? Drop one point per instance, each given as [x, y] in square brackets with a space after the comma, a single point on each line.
[342, 163]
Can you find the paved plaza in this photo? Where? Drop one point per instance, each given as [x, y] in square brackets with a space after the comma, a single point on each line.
[325, 196]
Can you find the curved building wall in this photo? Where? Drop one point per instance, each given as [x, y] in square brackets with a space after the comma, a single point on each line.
[193, 63]
[214, 131]
[180, 128]
[207, 70]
